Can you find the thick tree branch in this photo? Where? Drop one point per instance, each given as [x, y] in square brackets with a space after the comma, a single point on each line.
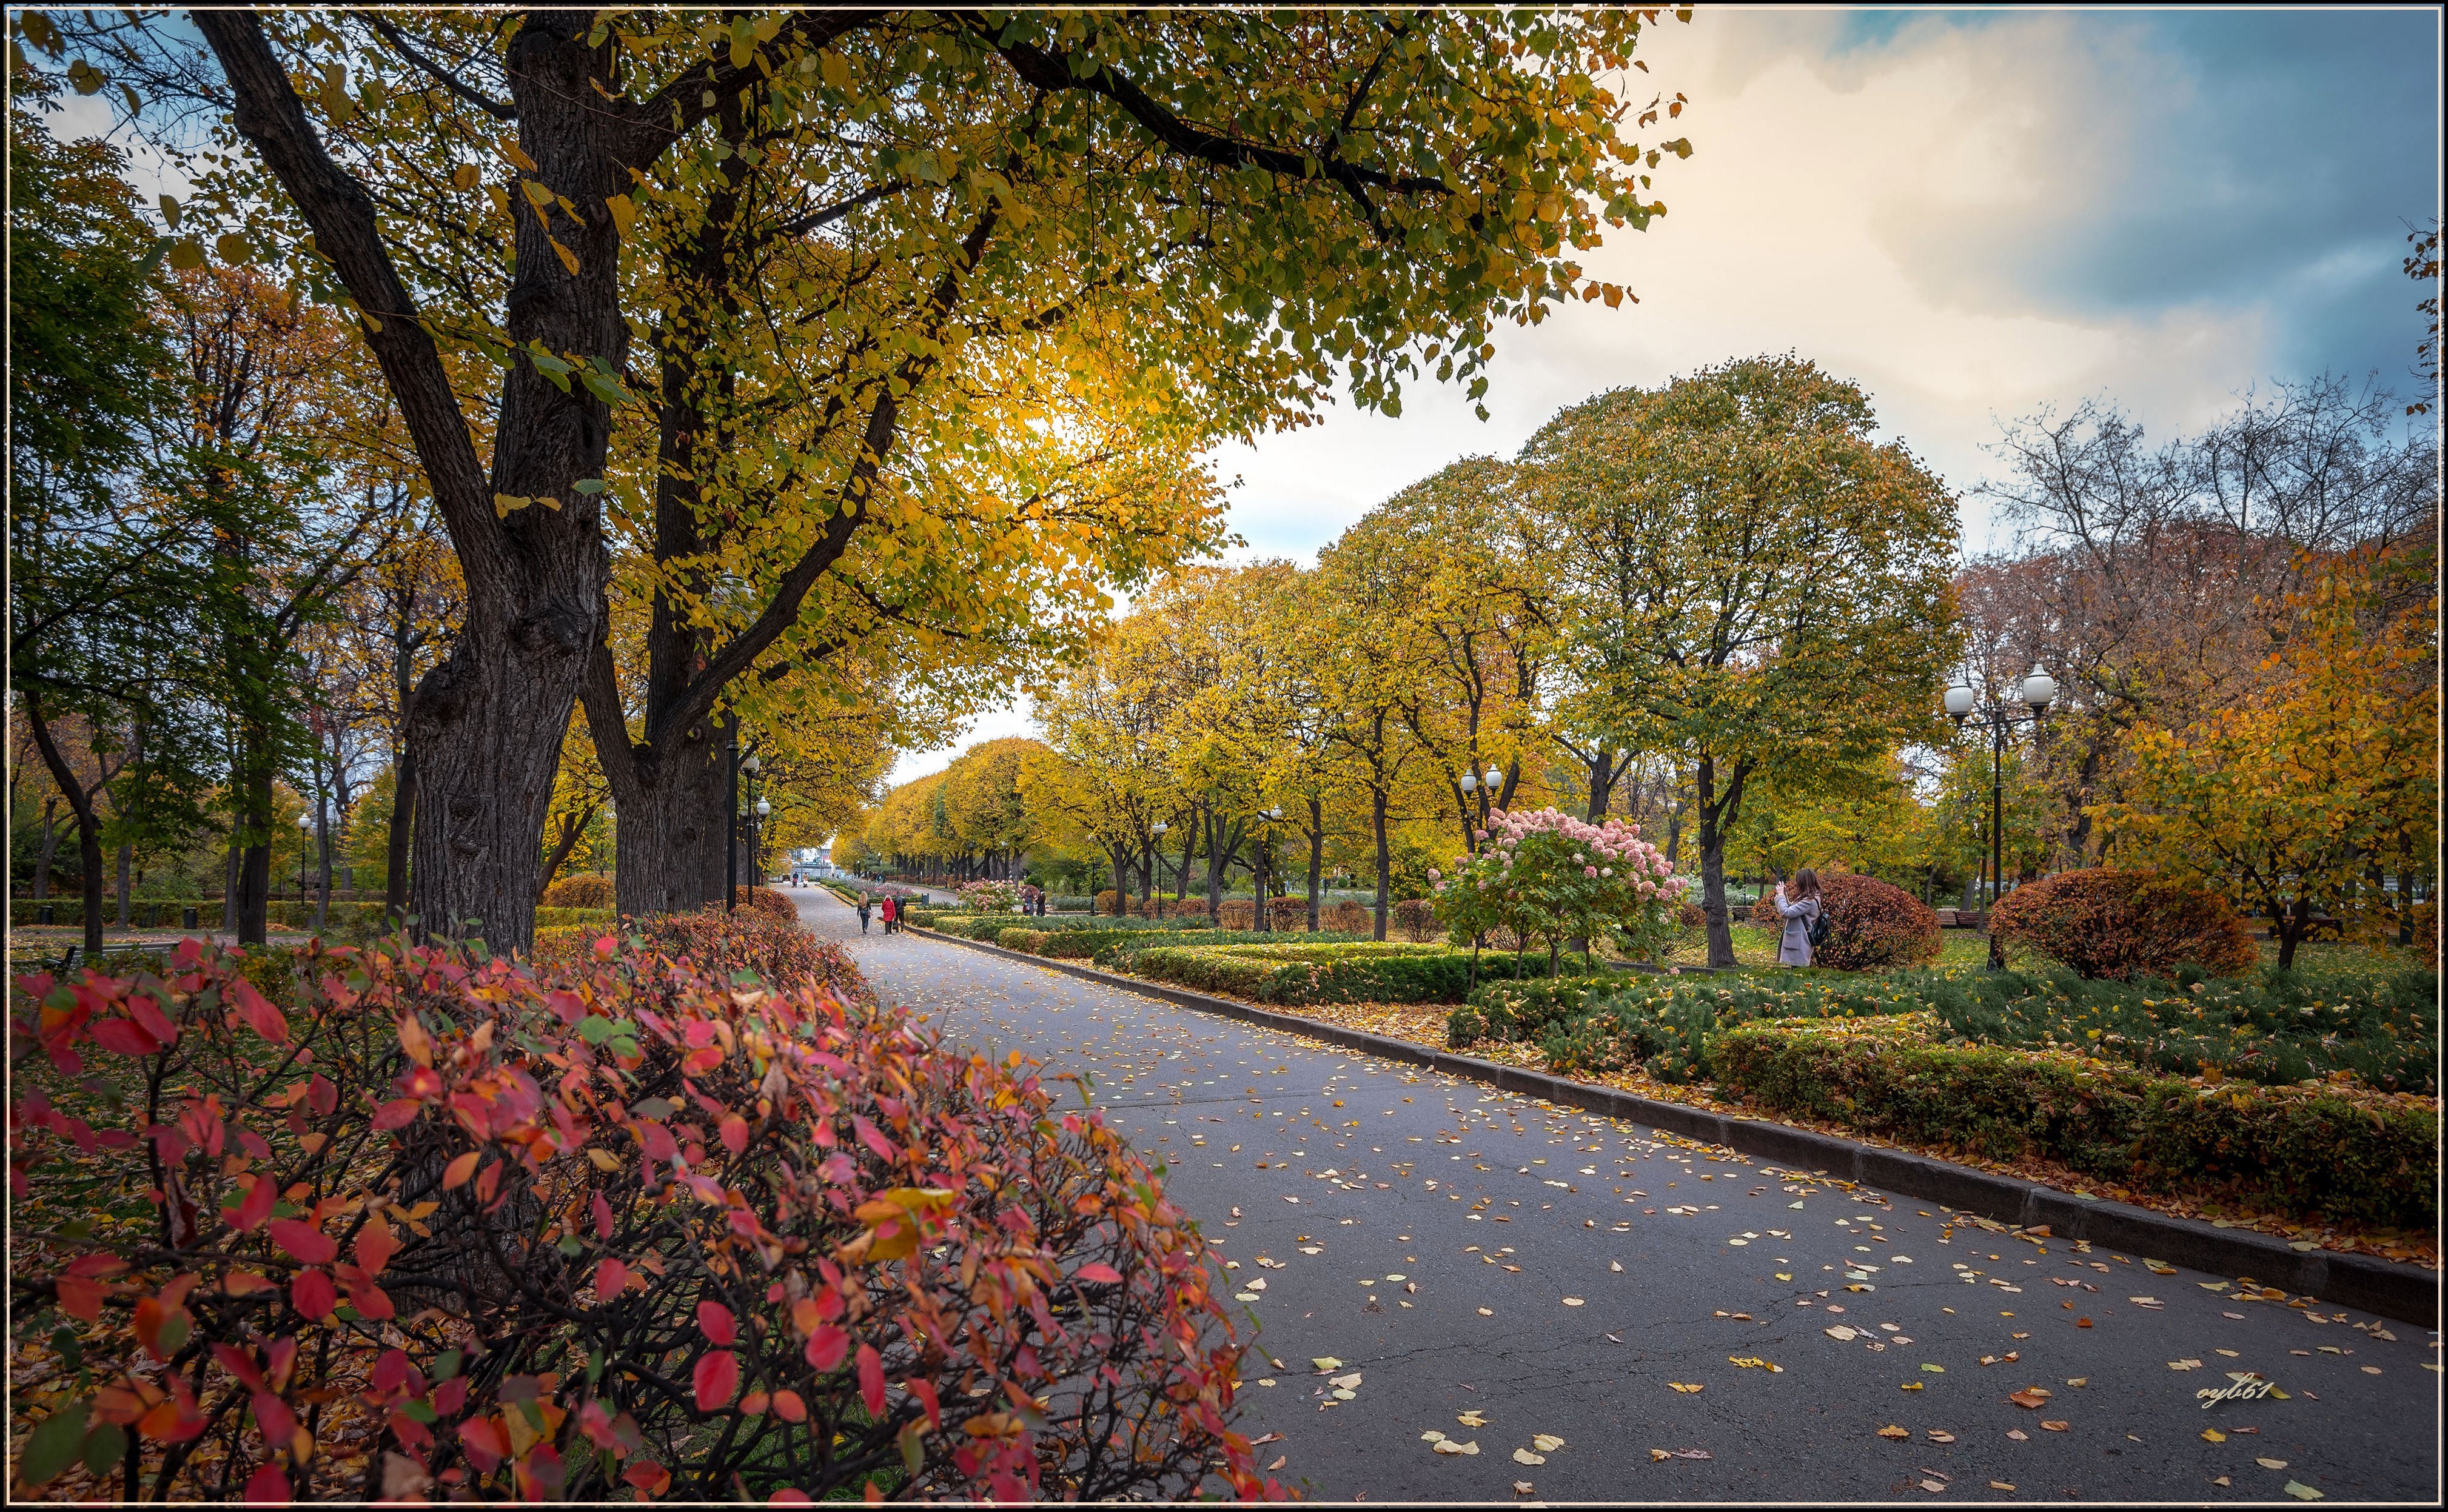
[670, 112]
[499, 110]
[607, 724]
[270, 115]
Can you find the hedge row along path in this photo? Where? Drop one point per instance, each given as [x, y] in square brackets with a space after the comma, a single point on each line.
[1456, 1249]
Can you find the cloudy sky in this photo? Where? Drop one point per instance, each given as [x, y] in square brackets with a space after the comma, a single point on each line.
[1971, 214]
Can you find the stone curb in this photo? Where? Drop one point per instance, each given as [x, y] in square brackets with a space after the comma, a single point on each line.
[2392, 1288]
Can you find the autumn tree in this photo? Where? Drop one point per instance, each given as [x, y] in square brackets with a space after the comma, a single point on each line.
[2321, 787]
[1762, 586]
[1227, 211]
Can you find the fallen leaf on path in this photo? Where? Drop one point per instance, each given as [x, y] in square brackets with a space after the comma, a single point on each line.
[1525, 1457]
[1325, 1362]
[2184, 1365]
[1940, 1436]
[2267, 1463]
[1687, 1387]
[1841, 1333]
[1933, 1485]
[2017, 1434]
[1893, 1431]
[1572, 1302]
[1910, 1386]
[1692, 1454]
[1432, 1435]
[1279, 1461]
[1614, 1265]
[1449, 1446]
[1545, 1443]
[1473, 1419]
[1655, 1455]
[1487, 1312]
[1934, 1369]
[2212, 1436]
[2055, 1425]
[1347, 1383]
[2031, 1396]
[2302, 1492]
[2001, 1485]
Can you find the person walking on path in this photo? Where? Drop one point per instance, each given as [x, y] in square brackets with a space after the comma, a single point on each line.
[1801, 911]
[866, 905]
[891, 913]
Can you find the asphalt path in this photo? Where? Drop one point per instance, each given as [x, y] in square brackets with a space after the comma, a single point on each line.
[1647, 1319]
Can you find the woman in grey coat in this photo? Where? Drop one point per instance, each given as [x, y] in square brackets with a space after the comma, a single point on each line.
[1801, 910]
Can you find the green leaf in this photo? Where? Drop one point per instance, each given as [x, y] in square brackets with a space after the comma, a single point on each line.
[104, 1447]
[913, 1447]
[445, 1365]
[421, 1411]
[55, 1444]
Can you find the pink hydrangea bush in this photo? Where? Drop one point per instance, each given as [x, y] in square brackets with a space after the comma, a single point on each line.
[429, 1227]
[1548, 877]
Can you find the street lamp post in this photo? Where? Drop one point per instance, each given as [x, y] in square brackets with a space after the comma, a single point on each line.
[1155, 856]
[2036, 692]
[757, 842]
[305, 832]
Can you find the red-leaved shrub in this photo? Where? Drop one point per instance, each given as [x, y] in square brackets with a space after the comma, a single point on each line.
[587, 890]
[2104, 922]
[1288, 913]
[1871, 924]
[772, 901]
[447, 1228]
[1415, 919]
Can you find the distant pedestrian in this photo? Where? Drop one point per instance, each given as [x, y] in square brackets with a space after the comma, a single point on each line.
[865, 906]
[892, 914]
[1801, 911]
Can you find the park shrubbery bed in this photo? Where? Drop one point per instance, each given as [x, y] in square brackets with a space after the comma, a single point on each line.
[634, 1223]
[1259, 970]
[2272, 1027]
[2328, 1149]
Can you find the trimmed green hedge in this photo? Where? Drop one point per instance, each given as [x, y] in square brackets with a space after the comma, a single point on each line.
[2323, 1149]
[1318, 972]
[1523, 1010]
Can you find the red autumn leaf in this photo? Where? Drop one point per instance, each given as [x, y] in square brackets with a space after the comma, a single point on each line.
[487, 1180]
[482, 1438]
[272, 1416]
[304, 1241]
[701, 1061]
[734, 1133]
[124, 1036]
[603, 1217]
[611, 1278]
[459, 1170]
[1098, 1271]
[81, 1297]
[256, 1206]
[789, 1407]
[868, 1136]
[321, 1095]
[715, 1320]
[870, 1379]
[312, 1294]
[397, 1113]
[827, 1346]
[647, 1477]
[257, 1010]
[925, 1391]
[267, 1485]
[789, 1496]
[376, 1244]
[754, 1404]
[716, 1378]
[370, 1300]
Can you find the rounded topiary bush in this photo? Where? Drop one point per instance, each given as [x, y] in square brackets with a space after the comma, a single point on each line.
[2119, 924]
[1872, 924]
[587, 890]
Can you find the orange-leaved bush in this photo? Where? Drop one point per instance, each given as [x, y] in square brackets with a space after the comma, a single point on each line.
[770, 900]
[449, 1227]
[586, 889]
[1871, 924]
[2119, 924]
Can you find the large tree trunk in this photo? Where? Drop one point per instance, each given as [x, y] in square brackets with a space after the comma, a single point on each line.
[1605, 766]
[671, 815]
[50, 847]
[253, 791]
[126, 870]
[89, 832]
[1316, 856]
[487, 725]
[1385, 854]
[395, 848]
[1716, 817]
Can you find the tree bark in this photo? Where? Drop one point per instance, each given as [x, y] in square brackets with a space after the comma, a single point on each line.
[1385, 855]
[126, 870]
[1316, 856]
[572, 826]
[395, 848]
[251, 786]
[50, 847]
[486, 724]
[80, 803]
[1718, 813]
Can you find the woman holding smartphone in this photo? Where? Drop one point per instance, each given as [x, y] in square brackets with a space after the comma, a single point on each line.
[1800, 905]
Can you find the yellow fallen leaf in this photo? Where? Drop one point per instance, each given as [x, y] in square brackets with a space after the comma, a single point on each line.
[1910, 1386]
[1892, 1432]
[1572, 1302]
[1325, 1362]
[1525, 1457]
[1432, 1436]
[1655, 1455]
[2001, 1485]
[2213, 1436]
[1545, 1443]
[1687, 1388]
[2267, 1463]
[1449, 1446]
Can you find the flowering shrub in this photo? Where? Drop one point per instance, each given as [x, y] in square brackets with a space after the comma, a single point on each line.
[1871, 924]
[991, 897]
[587, 890]
[2120, 924]
[458, 1228]
[1549, 877]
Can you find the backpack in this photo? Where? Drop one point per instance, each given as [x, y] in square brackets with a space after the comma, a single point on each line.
[1820, 929]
